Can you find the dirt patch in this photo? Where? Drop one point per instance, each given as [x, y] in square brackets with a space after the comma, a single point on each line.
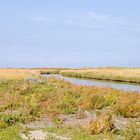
[74, 120]
[44, 122]
[67, 120]
[41, 135]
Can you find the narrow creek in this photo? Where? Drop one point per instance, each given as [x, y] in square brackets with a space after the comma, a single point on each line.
[100, 83]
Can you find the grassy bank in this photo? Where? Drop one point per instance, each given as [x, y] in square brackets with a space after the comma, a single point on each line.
[112, 74]
[29, 97]
[50, 70]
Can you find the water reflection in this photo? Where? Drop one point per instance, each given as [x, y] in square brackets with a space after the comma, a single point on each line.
[116, 85]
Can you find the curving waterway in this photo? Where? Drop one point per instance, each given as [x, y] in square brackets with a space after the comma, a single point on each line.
[100, 83]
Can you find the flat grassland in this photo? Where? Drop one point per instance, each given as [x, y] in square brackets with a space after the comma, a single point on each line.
[17, 73]
[113, 74]
[31, 103]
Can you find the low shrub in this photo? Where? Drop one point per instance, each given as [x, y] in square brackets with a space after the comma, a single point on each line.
[103, 124]
[128, 105]
[3, 124]
[8, 120]
[93, 101]
[68, 103]
[132, 132]
[111, 99]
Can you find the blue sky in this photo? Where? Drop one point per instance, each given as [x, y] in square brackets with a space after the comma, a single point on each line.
[74, 33]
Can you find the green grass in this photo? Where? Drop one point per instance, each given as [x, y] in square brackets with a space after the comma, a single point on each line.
[10, 133]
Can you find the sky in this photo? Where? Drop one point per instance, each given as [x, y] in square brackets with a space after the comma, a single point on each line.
[69, 33]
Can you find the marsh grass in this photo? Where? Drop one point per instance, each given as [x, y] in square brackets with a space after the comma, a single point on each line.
[62, 97]
[11, 133]
[132, 132]
[22, 102]
[128, 105]
[121, 75]
[104, 123]
[7, 74]
[50, 70]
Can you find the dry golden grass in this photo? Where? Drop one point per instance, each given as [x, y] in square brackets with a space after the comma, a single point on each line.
[128, 75]
[17, 73]
[50, 70]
